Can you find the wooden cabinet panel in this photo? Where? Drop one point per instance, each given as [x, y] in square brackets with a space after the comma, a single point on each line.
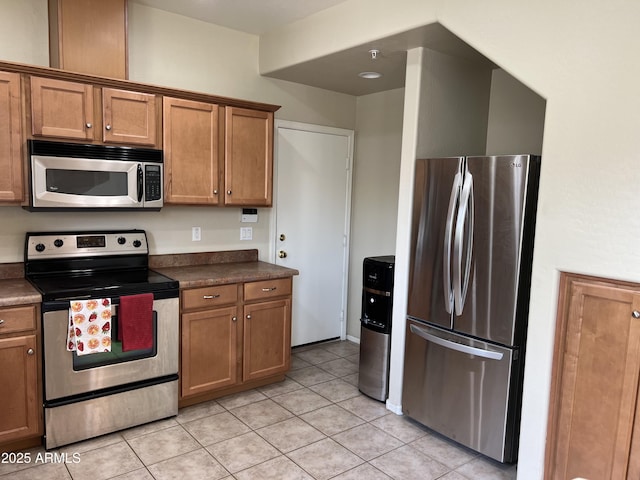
[206, 297]
[265, 289]
[267, 339]
[11, 180]
[19, 415]
[248, 157]
[191, 144]
[61, 109]
[17, 319]
[128, 117]
[89, 36]
[597, 351]
[208, 353]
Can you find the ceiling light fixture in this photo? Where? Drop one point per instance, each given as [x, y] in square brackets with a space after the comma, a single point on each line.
[369, 75]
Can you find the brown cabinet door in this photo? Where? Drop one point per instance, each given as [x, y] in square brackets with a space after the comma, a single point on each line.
[267, 339]
[61, 109]
[20, 412]
[595, 387]
[128, 117]
[89, 36]
[248, 157]
[11, 180]
[191, 143]
[208, 353]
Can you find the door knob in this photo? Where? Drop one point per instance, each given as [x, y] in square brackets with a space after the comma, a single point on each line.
[282, 254]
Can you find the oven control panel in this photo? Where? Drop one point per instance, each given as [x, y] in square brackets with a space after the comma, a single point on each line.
[41, 245]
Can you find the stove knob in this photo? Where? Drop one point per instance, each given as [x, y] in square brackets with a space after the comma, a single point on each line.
[121, 240]
[137, 243]
[40, 247]
[58, 243]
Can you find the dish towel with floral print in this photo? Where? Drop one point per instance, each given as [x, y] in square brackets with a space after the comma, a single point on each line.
[89, 326]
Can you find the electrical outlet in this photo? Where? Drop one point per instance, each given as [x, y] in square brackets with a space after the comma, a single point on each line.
[246, 233]
[196, 234]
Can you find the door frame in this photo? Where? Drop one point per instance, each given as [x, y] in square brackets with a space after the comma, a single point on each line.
[312, 128]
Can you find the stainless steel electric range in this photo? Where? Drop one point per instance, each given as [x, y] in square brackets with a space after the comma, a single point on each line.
[88, 394]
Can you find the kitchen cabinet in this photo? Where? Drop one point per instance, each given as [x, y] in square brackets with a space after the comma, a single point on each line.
[191, 143]
[209, 334]
[594, 425]
[267, 328]
[78, 111]
[89, 36]
[248, 157]
[11, 181]
[234, 337]
[21, 412]
[193, 136]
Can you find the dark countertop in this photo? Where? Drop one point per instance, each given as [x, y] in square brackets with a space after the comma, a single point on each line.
[190, 276]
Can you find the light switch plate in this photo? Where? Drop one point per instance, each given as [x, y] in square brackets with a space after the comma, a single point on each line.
[246, 233]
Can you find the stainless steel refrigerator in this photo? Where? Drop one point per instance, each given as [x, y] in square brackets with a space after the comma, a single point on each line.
[471, 252]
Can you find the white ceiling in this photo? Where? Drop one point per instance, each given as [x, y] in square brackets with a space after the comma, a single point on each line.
[338, 71]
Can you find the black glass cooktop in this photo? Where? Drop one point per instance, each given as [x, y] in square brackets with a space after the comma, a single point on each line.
[103, 284]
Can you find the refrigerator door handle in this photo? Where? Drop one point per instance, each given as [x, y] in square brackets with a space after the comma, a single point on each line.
[458, 347]
[465, 212]
[448, 234]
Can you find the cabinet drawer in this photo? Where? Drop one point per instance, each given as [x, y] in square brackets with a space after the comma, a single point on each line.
[197, 298]
[267, 289]
[17, 319]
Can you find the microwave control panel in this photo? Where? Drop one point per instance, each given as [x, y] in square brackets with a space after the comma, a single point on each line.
[152, 183]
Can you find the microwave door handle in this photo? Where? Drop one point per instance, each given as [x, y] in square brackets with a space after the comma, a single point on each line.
[140, 183]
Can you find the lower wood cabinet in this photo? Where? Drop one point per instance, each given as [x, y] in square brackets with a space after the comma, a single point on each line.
[234, 337]
[21, 412]
[594, 421]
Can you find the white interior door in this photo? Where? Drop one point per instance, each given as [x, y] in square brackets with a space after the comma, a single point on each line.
[313, 197]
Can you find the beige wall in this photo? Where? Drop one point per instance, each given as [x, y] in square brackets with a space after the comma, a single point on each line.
[516, 117]
[376, 174]
[579, 57]
[175, 51]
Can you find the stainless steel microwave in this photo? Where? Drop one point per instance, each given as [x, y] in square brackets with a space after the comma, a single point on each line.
[76, 176]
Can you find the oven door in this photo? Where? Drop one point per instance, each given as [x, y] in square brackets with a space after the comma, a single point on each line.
[66, 374]
[61, 182]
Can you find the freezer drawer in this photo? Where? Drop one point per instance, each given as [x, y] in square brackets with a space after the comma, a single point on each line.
[465, 389]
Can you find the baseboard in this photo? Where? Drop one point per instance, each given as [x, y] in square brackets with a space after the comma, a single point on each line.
[353, 339]
[397, 409]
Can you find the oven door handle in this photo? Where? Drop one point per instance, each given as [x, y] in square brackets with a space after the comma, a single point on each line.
[140, 183]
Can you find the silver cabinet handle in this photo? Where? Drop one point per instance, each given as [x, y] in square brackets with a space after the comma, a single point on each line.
[234, 319]
[248, 317]
[89, 125]
[107, 127]
[215, 192]
[30, 351]
[269, 289]
[209, 297]
[635, 314]
[228, 192]
[1, 322]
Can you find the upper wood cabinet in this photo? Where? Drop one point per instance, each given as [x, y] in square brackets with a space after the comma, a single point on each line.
[11, 165]
[248, 157]
[594, 421]
[193, 136]
[191, 151]
[89, 36]
[70, 110]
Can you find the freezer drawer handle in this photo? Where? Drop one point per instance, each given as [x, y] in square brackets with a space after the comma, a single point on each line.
[479, 352]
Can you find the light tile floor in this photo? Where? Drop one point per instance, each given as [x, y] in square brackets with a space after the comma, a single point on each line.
[314, 425]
